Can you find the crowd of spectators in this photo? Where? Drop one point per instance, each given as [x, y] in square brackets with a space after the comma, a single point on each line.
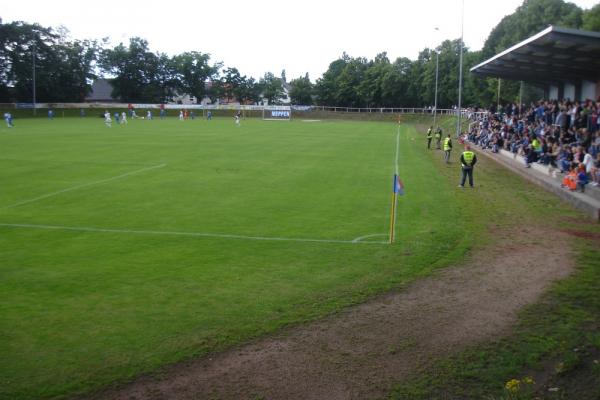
[564, 135]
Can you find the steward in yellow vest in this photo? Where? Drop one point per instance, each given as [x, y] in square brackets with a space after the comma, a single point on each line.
[429, 137]
[447, 148]
[468, 159]
[438, 138]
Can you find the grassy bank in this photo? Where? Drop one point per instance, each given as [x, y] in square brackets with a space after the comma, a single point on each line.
[554, 351]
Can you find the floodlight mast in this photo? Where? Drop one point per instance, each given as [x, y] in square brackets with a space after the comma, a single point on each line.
[34, 100]
[460, 70]
[437, 68]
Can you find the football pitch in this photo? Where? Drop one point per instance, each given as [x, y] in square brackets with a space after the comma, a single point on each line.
[127, 248]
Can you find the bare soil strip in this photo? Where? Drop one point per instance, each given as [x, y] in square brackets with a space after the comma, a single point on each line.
[361, 352]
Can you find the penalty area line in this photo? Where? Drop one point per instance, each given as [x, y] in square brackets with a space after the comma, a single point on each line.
[114, 178]
[189, 234]
[360, 239]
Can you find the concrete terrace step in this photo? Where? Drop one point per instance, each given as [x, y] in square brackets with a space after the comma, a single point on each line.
[588, 202]
[592, 191]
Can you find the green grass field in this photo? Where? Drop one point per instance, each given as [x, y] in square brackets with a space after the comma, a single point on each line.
[124, 249]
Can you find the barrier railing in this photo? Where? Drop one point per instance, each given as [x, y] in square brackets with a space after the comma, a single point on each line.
[231, 107]
[395, 110]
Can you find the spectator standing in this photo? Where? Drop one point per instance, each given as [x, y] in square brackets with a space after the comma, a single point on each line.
[596, 171]
[588, 162]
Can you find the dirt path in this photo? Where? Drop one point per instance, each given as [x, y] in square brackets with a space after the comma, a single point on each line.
[361, 352]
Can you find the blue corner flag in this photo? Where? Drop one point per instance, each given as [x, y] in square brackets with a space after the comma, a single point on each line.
[398, 186]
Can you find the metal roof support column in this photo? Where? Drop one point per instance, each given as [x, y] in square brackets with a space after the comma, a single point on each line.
[520, 97]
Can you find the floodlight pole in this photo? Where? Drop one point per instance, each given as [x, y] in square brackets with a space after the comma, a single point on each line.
[437, 68]
[460, 70]
[34, 100]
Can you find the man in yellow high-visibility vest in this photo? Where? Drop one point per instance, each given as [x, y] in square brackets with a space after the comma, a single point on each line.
[447, 148]
[467, 161]
[429, 137]
[438, 138]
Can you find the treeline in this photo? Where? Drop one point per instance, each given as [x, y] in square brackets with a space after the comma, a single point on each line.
[65, 68]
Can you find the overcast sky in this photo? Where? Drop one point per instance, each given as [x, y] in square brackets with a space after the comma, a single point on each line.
[268, 35]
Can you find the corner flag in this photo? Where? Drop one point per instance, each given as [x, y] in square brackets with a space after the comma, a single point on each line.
[398, 186]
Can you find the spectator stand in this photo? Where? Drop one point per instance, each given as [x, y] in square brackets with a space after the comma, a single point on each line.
[547, 139]
[508, 140]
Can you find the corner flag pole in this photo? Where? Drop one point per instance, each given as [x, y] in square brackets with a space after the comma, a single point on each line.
[393, 213]
[397, 188]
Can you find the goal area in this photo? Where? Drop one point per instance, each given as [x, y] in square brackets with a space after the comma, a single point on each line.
[277, 113]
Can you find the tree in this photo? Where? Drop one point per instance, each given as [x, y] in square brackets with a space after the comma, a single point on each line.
[166, 78]
[418, 74]
[23, 44]
[591, 19]
[272, 88]
[531, 17]
[194, 72]
[326, 86]
[250, 91]
[233, 84]
[135, 69]
[395, 83]
[348, 81]
[63, 68]
[371, 87]
[301, 91]
[71, 81]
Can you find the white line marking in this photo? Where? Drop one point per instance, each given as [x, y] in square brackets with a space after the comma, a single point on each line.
[359, 239]
[173, 233]
[114, 178]
[397, 150]
[398, 175]
[87, 162]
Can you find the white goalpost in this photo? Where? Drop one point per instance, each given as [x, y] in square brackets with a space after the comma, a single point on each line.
[277, 113]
